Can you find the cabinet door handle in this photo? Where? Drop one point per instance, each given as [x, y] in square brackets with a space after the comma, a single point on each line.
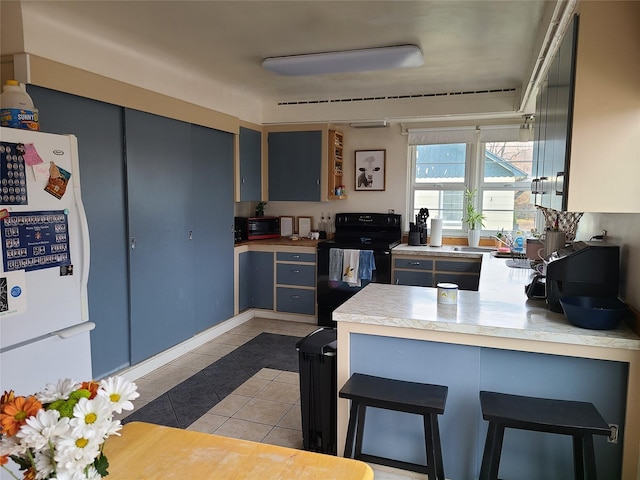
[535, 190]
[133, 243]
[560, 183]
[542, 190]
[190, 235]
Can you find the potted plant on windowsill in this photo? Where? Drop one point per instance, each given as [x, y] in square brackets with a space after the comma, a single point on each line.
[473, 218]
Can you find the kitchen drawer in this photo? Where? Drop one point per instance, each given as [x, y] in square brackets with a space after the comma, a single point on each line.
[296, 300]
[456, 266]
[415, 278]
[295, 257]
[464, 282]
[296, 274]
[413, 263]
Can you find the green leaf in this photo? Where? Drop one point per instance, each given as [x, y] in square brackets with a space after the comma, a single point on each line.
[101, 464]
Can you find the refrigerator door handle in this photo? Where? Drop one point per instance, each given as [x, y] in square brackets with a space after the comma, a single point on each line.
[63, 333]
[84, 227]
[75, 330]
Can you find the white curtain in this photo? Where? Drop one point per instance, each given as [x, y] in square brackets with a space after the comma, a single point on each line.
[488, 133]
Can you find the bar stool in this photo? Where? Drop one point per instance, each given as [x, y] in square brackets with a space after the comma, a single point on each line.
[581, 420]
[402, 396]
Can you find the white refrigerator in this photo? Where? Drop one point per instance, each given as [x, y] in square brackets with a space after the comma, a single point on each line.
[44, 320]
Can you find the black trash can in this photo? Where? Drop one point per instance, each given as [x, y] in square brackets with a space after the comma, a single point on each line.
[318, 390]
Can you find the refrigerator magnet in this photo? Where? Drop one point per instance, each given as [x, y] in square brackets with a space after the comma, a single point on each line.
[66, 270]
[58, 180]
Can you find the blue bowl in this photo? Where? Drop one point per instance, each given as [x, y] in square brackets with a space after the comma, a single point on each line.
[594, 313]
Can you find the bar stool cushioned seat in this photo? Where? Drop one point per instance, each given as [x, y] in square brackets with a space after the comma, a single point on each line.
[402, 396]
[581, 420]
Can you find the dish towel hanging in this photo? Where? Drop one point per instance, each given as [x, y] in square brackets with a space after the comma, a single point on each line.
[350, 267]
[335, 264]
[367, 265]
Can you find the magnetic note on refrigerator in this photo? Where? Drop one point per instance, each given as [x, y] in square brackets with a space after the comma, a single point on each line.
[13, 296]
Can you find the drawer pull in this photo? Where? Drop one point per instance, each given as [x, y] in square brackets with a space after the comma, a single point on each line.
[295, 297]
[414, 263]
[295, 271]
[295, 256]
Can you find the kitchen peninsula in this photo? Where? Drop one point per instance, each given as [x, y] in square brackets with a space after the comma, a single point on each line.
[493, 339]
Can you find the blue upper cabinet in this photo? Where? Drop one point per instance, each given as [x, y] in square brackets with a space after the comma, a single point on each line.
[250, 165]
[295, 165]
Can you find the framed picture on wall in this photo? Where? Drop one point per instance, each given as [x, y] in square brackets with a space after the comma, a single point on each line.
[304, 226]
[370, 170]
[286, 226]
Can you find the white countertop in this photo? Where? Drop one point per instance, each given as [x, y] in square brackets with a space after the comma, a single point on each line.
[500, 308]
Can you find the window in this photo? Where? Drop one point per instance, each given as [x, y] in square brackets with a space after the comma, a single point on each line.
[500, 171]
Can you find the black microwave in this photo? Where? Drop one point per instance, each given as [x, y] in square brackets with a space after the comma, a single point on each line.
[256, 228]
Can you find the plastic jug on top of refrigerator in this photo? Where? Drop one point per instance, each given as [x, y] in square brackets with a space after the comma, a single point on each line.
[17, 109]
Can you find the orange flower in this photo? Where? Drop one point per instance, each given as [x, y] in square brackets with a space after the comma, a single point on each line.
[29, 474]
[92, 387]
[4, 459]
[15, 413]
[6, 398]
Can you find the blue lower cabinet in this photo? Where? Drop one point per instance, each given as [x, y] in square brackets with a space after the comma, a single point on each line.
[296, 274]
[295, 300]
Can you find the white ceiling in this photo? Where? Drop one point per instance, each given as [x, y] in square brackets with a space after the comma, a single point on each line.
[471, 45]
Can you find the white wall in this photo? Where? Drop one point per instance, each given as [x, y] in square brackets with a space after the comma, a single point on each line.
[622, 229]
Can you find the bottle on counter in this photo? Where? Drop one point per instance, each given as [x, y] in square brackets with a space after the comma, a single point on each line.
[322, 227]
[329, 226]
[16, 107]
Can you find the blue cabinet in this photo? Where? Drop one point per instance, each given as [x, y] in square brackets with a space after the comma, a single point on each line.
[212, 226]
[250, 156]
[295, 165]
[424, 271]
[174, 194]
[161, 270]
[99, 128]
[180, 226]
[296, 282]
[256, 280]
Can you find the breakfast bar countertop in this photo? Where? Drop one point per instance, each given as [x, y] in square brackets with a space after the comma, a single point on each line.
[499, 308]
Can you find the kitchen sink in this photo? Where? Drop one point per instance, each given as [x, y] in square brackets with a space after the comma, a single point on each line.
[474, 249]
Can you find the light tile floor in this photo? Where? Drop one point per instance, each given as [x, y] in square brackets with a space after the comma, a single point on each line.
[265, 408]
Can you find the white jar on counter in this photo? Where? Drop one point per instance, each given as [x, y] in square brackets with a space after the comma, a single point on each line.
[447, 293]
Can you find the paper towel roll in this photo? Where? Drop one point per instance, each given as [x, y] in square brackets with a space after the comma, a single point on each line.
[436, 232]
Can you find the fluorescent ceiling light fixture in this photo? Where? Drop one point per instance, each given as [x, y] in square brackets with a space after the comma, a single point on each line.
[365, 60]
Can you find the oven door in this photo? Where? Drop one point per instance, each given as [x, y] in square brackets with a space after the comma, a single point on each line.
[330, 294]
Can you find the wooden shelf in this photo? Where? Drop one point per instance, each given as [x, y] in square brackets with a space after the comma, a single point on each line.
[335, 165]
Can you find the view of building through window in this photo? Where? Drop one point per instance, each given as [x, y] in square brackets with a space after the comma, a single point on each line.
[501, 173]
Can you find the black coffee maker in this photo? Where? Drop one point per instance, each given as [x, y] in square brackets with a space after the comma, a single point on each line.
[585, 269]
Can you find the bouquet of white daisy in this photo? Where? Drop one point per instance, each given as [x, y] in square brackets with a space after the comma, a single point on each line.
[59, 433]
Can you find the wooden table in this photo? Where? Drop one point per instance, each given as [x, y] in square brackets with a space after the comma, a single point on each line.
[150, 452]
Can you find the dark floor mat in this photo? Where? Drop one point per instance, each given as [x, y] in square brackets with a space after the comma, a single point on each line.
[189, 400]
